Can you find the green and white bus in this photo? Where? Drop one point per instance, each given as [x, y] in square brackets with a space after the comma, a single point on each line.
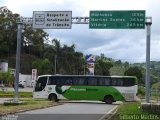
[79, 87]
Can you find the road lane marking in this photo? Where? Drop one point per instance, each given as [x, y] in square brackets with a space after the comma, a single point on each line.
[109, 113]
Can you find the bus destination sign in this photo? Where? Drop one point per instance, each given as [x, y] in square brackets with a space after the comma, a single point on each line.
[134, 19]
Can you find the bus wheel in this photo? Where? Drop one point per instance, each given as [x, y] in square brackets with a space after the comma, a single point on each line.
[108, 99]
[53, 97]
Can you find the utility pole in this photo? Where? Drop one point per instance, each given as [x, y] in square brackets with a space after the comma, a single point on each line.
[55, 64]
[84, 67]
[18, 51]
[147, 82]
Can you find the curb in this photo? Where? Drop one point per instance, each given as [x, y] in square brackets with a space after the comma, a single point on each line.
[109, 114]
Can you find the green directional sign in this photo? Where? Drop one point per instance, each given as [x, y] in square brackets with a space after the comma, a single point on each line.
[134, 19]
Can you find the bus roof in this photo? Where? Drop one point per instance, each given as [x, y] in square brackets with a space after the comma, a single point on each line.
[59, 75]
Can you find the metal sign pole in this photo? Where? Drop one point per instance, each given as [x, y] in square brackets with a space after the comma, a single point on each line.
[19, 32]
[147, 82]
[55, 64]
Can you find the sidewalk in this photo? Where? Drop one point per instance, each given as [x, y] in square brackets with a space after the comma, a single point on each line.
[10, 89]
[2, 100]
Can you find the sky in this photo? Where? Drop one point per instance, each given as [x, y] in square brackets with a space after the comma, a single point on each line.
[124, 44]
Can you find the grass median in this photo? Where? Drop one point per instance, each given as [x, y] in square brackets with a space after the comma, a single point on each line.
[30, 104]
[132, 111]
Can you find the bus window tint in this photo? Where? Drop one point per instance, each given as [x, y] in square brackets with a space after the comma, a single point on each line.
[58, 80]
[104, 81]
[67, 80]
[78, 81]
[129, 82]
[117, 81]
[41, 83]
[114, 82]
[52, 80]
[92, 81]
[120, 82]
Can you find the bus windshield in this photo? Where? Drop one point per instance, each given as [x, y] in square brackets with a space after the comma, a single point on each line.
[41, 83]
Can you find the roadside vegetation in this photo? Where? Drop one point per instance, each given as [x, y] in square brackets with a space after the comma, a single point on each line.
[132, 111]
[30, 104]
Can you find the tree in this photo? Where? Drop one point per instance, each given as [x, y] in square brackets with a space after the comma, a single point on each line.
[134, 71]
[119, 62]
[33, 41]
[53, 51]
[7, 78]
[126, 65]
[43, 66]
[68, 61]
[8, 36]
[103, 66]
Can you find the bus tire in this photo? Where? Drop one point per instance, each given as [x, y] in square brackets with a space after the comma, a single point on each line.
[53, 97]
[108, 99]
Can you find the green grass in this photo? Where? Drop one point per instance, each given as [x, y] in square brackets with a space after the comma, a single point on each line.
[11, 94]
[30, 104]
[132, 111]
[130, 108]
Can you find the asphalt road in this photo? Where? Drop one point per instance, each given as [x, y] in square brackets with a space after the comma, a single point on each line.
[70, 111]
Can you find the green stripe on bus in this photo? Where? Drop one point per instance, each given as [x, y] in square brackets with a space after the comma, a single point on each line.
[92, 93]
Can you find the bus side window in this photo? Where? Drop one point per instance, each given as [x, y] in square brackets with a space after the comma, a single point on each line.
[52, 80]
[107, 81]
[120, 82]
[92, 81]
[101, 81]
[129, 82]
[67, 81]
[58, 81]
[78, 81]
[104, 81]
[117, 81]
[114, 82]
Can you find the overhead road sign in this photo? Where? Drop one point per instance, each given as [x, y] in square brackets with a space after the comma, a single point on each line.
[52, 19]
[134, 19]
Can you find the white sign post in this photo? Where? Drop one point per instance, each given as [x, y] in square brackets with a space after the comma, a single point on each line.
[34, 77]
[52, 19]
[90, 59]
[34, 74]
[91, 68]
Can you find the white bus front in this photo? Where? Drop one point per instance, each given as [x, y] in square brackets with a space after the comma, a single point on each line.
[39, 90]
